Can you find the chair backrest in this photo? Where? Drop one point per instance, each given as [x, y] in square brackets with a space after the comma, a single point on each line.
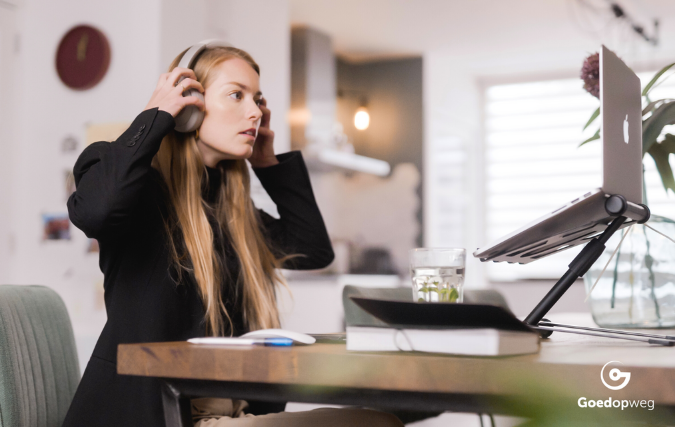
[355, 315]
[39, 369]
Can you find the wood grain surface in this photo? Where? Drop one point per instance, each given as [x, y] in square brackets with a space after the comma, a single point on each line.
[568, 365]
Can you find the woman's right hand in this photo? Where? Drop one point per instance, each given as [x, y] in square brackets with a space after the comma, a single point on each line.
[168, 95]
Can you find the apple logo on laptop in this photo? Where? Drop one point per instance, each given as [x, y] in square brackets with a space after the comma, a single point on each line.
[625, 129]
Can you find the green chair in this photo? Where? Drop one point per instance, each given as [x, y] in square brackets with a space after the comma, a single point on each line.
[39, 370]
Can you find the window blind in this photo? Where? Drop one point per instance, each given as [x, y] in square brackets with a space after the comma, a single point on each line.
[534, 163]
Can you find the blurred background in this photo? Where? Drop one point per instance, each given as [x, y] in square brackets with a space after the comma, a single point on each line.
[475, 113]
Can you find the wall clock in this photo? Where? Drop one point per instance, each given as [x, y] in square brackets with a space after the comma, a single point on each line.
[83, 57]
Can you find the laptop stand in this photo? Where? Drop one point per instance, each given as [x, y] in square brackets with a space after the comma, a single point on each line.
[577, 268]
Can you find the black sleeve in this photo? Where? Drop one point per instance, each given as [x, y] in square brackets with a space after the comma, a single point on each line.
[110, 176]
[300, 228]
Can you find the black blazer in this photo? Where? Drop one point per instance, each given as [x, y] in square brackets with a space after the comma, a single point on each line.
[121, 201]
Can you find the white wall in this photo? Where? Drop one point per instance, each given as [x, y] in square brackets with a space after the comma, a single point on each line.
[47, 112]
[143, 39]
[7, 143]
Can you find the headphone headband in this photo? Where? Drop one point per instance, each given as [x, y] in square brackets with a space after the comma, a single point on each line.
[189, 58]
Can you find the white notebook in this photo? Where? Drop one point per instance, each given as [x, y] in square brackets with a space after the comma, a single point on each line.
[473, 342]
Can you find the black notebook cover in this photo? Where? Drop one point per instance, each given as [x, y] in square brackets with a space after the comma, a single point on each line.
[441, 315]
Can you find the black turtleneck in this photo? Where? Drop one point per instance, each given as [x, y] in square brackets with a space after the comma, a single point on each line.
[213, 182]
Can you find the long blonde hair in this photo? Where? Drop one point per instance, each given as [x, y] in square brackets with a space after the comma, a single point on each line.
[182, 169]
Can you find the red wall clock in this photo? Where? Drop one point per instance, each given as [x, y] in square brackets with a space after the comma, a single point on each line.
[83, 57]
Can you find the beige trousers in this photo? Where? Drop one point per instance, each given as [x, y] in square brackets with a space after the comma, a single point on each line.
[212, 412]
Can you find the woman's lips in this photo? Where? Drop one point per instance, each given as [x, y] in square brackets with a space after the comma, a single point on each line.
[249, 132]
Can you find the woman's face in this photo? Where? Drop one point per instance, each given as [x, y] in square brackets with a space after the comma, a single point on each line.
[232, 115]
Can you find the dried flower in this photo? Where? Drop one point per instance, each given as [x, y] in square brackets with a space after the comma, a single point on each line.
[590, 74]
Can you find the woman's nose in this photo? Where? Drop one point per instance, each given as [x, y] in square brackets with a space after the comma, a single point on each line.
[255, 113]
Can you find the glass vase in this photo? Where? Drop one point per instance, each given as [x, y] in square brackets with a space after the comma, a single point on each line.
[637, 290]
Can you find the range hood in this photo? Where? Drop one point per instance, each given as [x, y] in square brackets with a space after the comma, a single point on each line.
[313, 108]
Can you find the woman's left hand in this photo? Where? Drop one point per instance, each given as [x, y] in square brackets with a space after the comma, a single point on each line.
[263, 147]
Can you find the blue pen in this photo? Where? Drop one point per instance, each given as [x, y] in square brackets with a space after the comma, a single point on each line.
[267, 342]
[277, 342]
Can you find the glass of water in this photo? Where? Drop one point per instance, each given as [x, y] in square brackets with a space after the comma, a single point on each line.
[437, 274]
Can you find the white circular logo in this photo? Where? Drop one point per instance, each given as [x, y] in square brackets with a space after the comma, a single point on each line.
[615, 375]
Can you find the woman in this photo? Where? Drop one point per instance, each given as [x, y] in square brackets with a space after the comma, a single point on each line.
[183, 250]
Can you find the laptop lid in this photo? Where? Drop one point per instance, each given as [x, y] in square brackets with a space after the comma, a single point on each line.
[581, 219]
[621, 131]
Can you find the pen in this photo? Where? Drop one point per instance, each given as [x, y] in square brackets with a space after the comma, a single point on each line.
[267, 342]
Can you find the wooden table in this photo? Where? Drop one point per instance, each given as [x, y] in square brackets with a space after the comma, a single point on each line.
[549, 383]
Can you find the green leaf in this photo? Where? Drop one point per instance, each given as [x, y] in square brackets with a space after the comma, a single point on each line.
[650, 107]
[647, 88]
[594, 116]
[651, 128]
[660, 152]
[454, 295]
[593, 138]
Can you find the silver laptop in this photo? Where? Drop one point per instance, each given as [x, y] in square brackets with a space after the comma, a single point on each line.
[586, 216]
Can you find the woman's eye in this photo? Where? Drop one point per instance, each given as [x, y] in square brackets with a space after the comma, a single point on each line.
[235, 95]
[258, 102]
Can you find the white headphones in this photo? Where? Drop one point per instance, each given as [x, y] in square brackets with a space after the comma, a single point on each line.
[190, 118]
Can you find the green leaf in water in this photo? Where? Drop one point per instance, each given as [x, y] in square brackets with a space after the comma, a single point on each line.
[453, 295]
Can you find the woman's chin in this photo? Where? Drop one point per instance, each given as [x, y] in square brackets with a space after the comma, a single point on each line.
[241, 152]
[233, 153]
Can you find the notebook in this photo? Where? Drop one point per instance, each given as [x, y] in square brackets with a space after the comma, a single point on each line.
[463, 329]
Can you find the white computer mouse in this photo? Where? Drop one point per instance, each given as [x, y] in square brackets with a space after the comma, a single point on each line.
[297, 337]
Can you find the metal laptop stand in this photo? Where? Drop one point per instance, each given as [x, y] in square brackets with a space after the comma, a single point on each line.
[616, 205]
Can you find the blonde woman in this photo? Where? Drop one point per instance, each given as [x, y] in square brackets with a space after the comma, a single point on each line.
[183, 250]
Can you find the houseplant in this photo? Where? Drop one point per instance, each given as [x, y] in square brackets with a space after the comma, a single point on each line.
[638, 287]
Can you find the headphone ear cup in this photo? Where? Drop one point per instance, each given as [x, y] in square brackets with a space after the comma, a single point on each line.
[190, 117]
